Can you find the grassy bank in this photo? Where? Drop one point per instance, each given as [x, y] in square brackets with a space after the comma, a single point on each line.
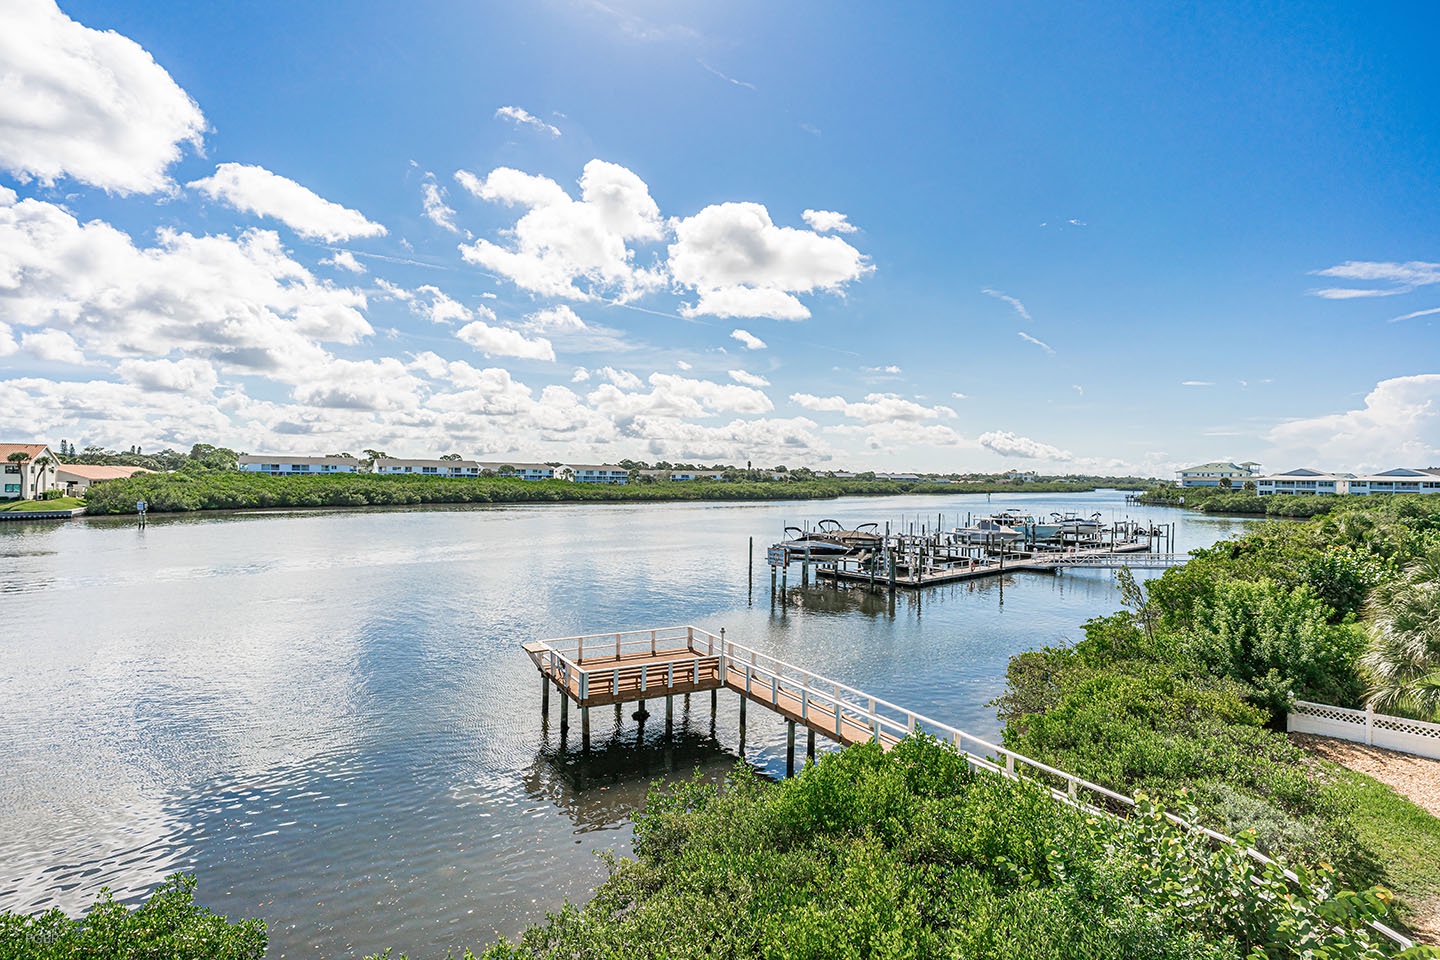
[1217, 500]
[41, 506]
[229, 490]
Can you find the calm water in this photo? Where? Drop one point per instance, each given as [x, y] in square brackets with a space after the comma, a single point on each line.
[328, 718]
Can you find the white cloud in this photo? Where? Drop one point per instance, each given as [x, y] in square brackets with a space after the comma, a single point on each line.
[88, 104]
[875, 408]
[960, 396]
[503, 342]
[1008, 444]
[432, 197]
[187, 375]
[344, 260]
[747, 338]
[523, 118]
[1398, 426]
[1197, 383]
[580, 375]
[53, 345]
[748, 379]
[889, 370]
[255, 190]
[623, 379]
[826, 221]
[1418, 313]
[742, 264]
[1039, 343]
[681, 364]
[674, 396]
[560, 241]
[556, 319]
[441, 308]
[1401, 277]
[1014, 302]
[241, 303]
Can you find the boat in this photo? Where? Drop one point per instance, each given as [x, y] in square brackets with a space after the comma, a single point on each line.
[988, 530]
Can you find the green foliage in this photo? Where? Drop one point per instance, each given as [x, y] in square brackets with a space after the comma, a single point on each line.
[169, 925]
[911, 854]
[1279, 641]
[200, 489]
[1403, 660]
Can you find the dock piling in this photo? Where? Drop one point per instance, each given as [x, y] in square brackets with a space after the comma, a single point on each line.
[789, 748]
[810, 744]
[544, 696]
[585, 729]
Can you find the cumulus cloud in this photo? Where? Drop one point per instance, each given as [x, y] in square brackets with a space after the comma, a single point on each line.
[344, 260]
[1399, 425]
[556, 319]
[504, 342]
[748, 379]
[187, 375]
[241, 303]
[1396, 278]
[87, 104]
[437, 211]
[56, 346]
[676, 397]
[875, 408]
[1039, 343]
[742, 264]
[1014, 302]
[1009, 444]
[748, 339]
[439, 307]
[523, 118]
[561, 243]
[255, 190]
[828, 221]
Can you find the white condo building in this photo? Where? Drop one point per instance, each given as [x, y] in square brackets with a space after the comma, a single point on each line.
[1307, 482]
[1211, 474]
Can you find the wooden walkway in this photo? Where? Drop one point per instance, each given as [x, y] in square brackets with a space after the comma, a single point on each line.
[930, 575]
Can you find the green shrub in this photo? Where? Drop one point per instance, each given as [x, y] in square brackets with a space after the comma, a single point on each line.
[169, 925]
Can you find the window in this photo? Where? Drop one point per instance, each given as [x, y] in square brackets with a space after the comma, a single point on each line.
[12, 468]
[12, 487]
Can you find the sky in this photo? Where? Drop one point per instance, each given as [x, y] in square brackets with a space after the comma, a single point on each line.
[1063, 238]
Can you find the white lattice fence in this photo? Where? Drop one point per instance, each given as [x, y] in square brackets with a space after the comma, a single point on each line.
[1366, 726]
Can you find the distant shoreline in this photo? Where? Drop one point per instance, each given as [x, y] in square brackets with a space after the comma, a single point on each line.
[187, 493]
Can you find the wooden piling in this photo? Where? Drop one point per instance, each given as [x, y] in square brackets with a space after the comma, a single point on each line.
[789, 748]
[585, 728]
[544, 696]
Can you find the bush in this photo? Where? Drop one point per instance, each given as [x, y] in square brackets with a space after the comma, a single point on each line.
[169, 925]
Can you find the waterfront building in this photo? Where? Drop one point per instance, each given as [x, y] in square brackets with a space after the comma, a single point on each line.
[471, 468]
[529, 471]
[281, 465]
[1210, 474]
[599, 473]
[31, 472]
[682, 475]
[76, 478]
[1301, 482]
[1304, 481]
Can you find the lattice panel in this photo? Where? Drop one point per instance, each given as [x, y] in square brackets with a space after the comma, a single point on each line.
[1337, 714]
[1415, 728]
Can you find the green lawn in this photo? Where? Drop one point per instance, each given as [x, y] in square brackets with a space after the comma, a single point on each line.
[32, 506]
[1404, 837]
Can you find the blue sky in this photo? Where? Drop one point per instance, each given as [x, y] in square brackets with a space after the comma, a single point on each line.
[940, 236]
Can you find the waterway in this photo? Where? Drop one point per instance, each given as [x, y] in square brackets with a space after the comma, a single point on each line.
[327, 717]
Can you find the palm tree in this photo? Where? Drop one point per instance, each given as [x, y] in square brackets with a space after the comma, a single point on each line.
[18, 458]
[1403, 662]
[44, 463]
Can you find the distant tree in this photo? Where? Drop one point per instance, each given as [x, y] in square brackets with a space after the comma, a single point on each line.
[779, 469]
[372, 455]
[210, 457]
[1226, 483]
[1249, 487]
[344, 456]
[451, 456]
[506, 470]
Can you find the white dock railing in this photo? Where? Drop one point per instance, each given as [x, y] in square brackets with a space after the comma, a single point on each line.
[1365, 726]
[763, 677]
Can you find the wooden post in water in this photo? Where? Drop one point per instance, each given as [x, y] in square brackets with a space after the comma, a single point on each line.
[585, 728]
[742, 724]
[789, 748]
[564, 716]
[544, 696]
[810, 744]
[750, 571]
[669, 715]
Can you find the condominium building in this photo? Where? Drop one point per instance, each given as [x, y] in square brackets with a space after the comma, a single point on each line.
[280, 465]
[1212, 474]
